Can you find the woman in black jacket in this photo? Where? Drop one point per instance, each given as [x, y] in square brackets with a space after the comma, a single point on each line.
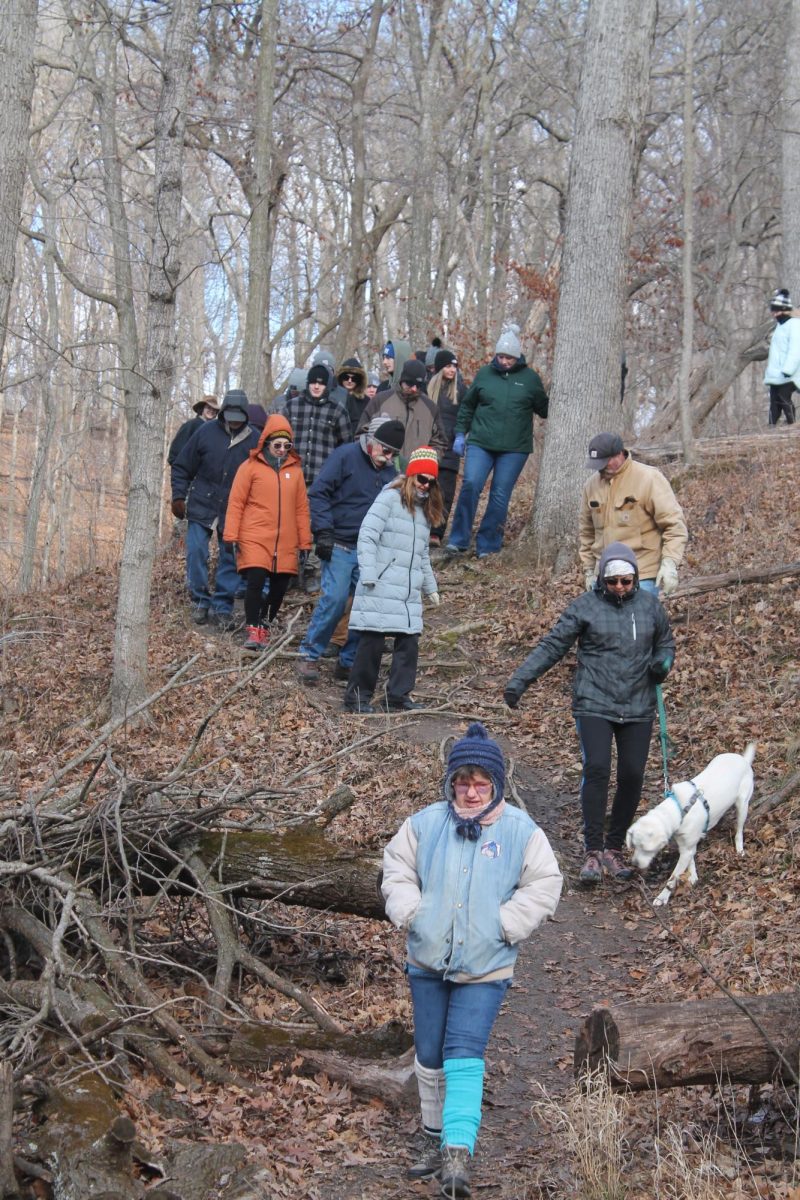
[445, 390]
[625, 648]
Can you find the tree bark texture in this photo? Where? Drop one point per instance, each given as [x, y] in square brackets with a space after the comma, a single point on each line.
[261, 226]
[687, 255]
[17, 33]
[790, 199]
[149, 404]
[692, 1042]
[585, 391]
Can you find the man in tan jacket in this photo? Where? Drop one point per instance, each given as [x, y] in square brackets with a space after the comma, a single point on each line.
[627, 501]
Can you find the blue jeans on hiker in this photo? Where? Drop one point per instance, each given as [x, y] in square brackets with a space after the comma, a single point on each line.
[505, 467]
[452, 1020]
[338, 579]
[227, 581]
[648, 585]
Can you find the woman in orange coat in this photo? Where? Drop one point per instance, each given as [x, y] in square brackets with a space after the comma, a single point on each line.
[268, 520]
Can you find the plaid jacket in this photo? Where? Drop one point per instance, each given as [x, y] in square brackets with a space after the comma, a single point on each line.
[319, 426]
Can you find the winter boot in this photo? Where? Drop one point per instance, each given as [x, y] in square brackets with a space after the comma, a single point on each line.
[454, 1175]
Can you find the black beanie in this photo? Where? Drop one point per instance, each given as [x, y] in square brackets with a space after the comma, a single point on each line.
[443, 359]
[318, 374]
[391, 434]
[413, 372]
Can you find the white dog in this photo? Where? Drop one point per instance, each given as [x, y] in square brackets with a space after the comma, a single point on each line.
[689, 811]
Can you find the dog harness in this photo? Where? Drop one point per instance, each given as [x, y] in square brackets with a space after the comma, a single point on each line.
[696, 795]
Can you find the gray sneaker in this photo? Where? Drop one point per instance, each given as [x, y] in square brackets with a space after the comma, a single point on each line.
[454, 1174]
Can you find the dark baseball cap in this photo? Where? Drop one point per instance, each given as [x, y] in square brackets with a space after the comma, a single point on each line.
[413, 373]
[602, 447]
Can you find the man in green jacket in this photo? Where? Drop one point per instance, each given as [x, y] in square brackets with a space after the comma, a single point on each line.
[497, 413]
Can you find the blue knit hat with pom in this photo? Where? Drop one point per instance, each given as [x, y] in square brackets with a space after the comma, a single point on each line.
[475, 749]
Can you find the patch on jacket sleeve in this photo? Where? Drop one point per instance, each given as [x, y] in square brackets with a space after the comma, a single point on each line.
[491, 849]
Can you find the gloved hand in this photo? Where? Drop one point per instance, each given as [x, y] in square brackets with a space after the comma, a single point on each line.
[660, 670]
[590, 580]
[323, 546]
[178, 509]
[459, 444]
[511, 696]
[667, 577]
[434, 599]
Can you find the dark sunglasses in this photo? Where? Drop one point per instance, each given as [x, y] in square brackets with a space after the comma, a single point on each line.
[625, 580]
[425, 480]
[348, 376]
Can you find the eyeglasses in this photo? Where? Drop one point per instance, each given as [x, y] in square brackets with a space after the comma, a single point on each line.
[347, 378]
[616, 580]
[280, 444]
[463, 785]
[425, 480]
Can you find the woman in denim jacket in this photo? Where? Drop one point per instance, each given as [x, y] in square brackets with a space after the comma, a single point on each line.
[469, 878]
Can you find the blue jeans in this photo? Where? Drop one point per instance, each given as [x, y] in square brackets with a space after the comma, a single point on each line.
[338, 579]
[505, 467]
[227, 582]
[648, 585]
[452, 1020]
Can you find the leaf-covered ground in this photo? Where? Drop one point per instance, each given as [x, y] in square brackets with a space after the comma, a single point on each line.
[737, 679]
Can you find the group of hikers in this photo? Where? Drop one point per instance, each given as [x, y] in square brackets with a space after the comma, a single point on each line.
[350, 494]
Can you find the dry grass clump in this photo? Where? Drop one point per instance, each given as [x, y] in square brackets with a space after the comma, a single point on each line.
[592, 1121]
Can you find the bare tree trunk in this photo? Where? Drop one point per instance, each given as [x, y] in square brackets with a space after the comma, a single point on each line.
[588, 353]
[149, 404]
[261, 230]
[687, 338]
[790, 208]
[17, 32]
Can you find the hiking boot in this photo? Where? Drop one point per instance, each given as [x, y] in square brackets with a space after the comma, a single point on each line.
[405, 704]
[450, 552]
[257, 638]
[225, 622]
[454, 1175]
[307, 670]
[357, 706]
[427, 1157]
[331, 650]
[615, 866]
[592, 869]
[200, 614]
[340, 671]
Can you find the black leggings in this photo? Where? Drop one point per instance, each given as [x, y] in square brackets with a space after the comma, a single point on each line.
[256, 605]
[633, 745]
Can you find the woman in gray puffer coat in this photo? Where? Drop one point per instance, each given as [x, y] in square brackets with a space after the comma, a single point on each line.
[395, 572]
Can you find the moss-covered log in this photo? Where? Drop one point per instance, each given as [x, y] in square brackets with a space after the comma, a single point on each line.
[300, 866]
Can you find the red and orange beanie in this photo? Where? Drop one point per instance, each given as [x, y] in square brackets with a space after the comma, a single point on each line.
[423, 461]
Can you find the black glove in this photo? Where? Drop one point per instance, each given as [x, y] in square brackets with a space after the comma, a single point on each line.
[512, 697]
[323, 545]
[178, 509]
[660, 670]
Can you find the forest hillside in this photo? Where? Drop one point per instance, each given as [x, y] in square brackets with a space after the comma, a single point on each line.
[104, 830]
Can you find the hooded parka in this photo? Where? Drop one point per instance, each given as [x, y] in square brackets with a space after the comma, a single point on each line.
[268, 515]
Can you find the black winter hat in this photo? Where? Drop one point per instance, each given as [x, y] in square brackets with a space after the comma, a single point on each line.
[235, 398]
[443, 359]
[391, 434]
[413, 372]
[318, 374]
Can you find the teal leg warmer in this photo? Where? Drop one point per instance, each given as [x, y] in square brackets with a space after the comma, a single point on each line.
[462, 1101]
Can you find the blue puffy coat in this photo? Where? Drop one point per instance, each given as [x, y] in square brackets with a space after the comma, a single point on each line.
[394, 566]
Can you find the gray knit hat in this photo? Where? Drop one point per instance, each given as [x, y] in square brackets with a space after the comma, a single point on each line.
[509, 343]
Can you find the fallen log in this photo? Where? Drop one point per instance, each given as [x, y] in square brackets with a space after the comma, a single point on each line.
[710, 583]
[296, 867]
[645, 1046]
